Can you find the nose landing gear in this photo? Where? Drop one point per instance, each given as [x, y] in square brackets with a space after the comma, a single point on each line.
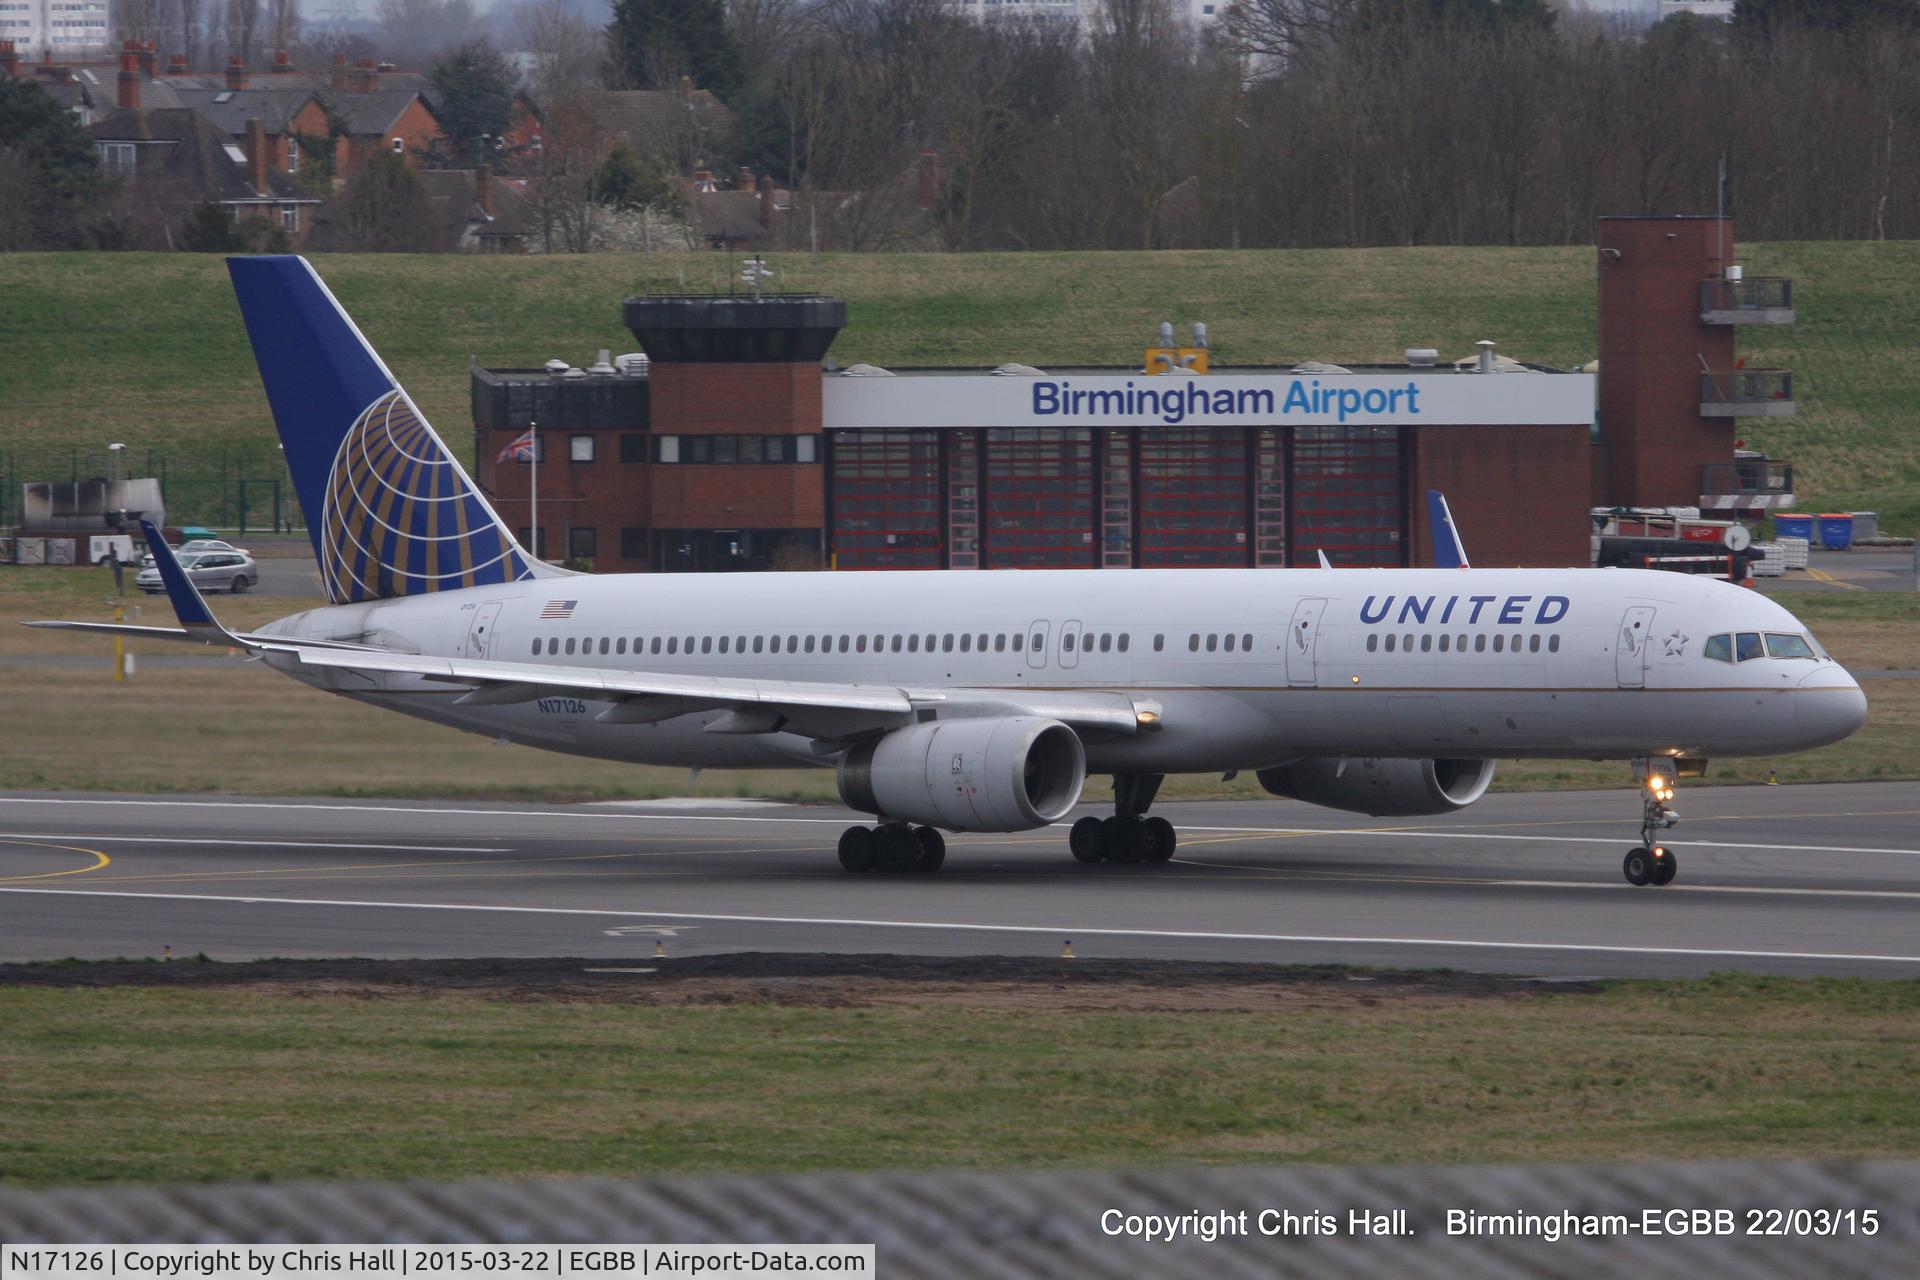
[1651, 863]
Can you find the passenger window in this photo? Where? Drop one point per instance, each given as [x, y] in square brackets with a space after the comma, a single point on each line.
[913, 643]
[966, 643]
[536, 647]
[1780, 645]
[843, 644]
[1193, 644]
[723, 644]
[653, 645]
[1373, 643]
[1553, 643]
[1443, 642]
[1124, 635]
[1246, 642]
[1018, 637]
[946, 643]
[931, 639]
[1390, 639]
[603, 646]
[1213, 643]
[860, 646]
[1499, 643]
[809, 644]
[1461, 645]
[739, 644]
[793, 645]
[1106, 642]
[896, 644]
[1426, 644]
[1067, 641]
[1533, 644]
[706, 644]
[673, 644]
[1747, 646]
[1406, 642]
[1159, 642]
[689, 644]
[982, 642]
[620, 645]
[1479, 644]
[569, 644]
[1000, 643]
[1229, 642]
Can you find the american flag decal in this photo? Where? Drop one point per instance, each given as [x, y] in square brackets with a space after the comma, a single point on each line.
[558, 609]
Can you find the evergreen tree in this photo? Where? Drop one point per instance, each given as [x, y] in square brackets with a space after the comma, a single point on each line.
[210, 229]
[655, 42]
[473, 95]
[49, 173]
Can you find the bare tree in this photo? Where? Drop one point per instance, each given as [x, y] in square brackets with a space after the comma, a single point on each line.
[283, 24]
[243, 29]
[569, 53]
[415, 31]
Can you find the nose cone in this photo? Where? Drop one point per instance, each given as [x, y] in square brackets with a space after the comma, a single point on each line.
[1828, 705]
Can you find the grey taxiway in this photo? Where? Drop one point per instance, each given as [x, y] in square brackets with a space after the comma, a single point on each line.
[1807, 879]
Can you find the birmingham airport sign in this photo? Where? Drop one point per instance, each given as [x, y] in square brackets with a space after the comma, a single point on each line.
[1138, 400]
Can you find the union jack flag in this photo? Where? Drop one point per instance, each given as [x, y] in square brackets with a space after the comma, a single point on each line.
[520, 449]
[558, 609]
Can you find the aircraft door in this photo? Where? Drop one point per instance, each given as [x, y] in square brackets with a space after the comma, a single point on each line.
[1303, 641]
[1630, 647]
[480, 632]
[1037, 645]
[1070, 644]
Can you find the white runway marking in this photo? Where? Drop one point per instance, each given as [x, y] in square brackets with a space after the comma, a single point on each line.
[256, 844]
[630, 816]
[1609, 886]
[1056, 931]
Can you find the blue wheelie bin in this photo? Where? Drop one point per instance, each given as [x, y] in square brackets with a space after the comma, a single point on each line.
[1836, 530]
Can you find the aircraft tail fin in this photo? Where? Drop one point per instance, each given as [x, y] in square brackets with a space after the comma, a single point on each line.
[391, 511]
[1448, 551]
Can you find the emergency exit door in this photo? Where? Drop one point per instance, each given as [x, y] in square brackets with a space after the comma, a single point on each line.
[1630, 647]
[1303, 641]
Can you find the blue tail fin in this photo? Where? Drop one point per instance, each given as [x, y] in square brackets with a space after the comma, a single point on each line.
[1448, 551]
[390, 510]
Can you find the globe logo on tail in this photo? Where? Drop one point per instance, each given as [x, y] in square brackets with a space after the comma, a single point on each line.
[401, 518]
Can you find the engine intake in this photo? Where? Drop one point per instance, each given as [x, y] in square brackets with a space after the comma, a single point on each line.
[1012, 773]
[1381, 788]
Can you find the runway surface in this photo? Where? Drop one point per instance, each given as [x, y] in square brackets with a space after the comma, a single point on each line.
[1809, 879]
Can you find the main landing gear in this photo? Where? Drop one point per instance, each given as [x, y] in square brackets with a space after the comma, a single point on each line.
[1129, 835]
[1651, 863]
[892, 846]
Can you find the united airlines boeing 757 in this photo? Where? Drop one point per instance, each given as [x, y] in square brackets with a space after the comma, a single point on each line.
[981, 701]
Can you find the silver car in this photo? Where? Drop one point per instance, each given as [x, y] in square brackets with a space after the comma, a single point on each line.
[208, 570]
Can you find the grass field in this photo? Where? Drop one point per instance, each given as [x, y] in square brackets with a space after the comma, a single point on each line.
[148, 349]
[251, 731]
[179, 1085]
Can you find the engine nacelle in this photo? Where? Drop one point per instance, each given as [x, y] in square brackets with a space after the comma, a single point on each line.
[1007, 774]
[1381, 788]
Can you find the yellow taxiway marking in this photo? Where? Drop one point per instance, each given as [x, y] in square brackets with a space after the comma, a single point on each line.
[1821, 575]
[100, 860]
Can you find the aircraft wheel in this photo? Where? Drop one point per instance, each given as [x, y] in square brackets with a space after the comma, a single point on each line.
[1161, 839]
[1638, 866]
[932, 849]
[1087, 840]
[897, 849]
[1125, 839]
[1665, 865]
[857, 850]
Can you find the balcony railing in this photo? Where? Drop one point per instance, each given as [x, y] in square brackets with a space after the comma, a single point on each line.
[1747, 393]
[1755, 300]
[1759, 476]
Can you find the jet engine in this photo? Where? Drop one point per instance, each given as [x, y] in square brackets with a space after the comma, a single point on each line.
[1011, 773]
[1381, 788]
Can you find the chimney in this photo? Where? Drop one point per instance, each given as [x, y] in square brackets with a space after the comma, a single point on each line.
[236, 73]
[282, 63]
[337, 73]
[385, 68]
[703, 179]
[746, 179]
[686, 88]
[366, 77]
[149, 55]
[177, 65]
[483, 189]
[9, 60]
[766, 200]
[129, 99]
[929, 193]
[259, 157]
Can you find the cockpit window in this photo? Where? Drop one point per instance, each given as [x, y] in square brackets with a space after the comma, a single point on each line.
[1746, 646]
[1787, 646]
[1719, 648]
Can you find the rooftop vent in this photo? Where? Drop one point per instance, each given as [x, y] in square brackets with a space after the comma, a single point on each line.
[603, 367]
[634, 364]
[1318, 366]
[866, 371]
[556, 366]
[1018, 371]
[1422, 357]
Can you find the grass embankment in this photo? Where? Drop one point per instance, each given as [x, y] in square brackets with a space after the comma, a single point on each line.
[175, 1085]
[248, 730]
[148, 349]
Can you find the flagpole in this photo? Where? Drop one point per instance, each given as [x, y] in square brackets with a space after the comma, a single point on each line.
[533, 534]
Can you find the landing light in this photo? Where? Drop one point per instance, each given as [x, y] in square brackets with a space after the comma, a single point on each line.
[1354, 679]
[1660, 788]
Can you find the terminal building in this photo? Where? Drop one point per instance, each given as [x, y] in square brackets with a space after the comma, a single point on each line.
[728, 445]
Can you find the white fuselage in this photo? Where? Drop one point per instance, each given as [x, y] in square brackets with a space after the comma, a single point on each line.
[1249, 667]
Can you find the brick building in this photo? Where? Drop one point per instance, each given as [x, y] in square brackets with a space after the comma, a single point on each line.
[728, 446]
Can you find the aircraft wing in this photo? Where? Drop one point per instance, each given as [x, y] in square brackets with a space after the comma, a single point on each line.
[833, 711]
[135, 631]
